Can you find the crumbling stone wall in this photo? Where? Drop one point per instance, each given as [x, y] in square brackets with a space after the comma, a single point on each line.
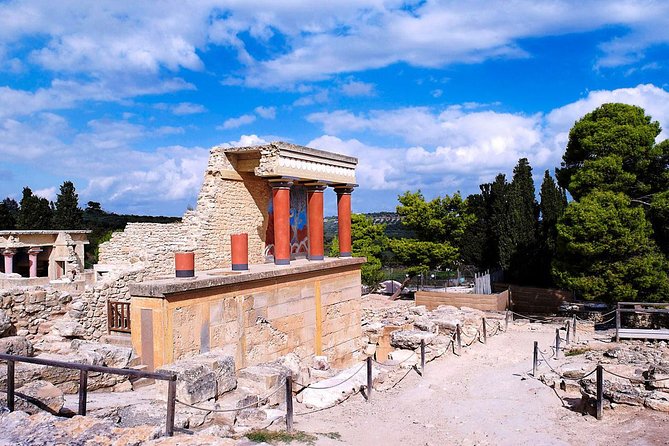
[229, 202]
[28, 308]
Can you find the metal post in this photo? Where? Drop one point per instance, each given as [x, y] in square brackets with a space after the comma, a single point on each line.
[568, 328]
[10, 385]
[557, 343]
[506, 321]
[83, 385]
[535, 359]
[600, 390]
[574, 327]
[485, 332]
[289, 403]
[369, 378]
[422, 357]
[458, 338]
[618, 322]
[171, 402]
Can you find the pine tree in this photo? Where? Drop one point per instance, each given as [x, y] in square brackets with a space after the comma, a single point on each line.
[67, 215]
[9, 210]
[35, 212]
[552, 206]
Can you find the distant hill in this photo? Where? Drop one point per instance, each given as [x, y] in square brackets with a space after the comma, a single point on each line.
[393, 222]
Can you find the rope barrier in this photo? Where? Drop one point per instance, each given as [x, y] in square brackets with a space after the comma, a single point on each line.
[248, 406]
[323, 408]
[561, 375]
[649, 380]
[308, 386]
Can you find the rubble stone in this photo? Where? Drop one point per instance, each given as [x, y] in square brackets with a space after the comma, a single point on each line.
[16, 345]
[410, 339]
[195, 381]
[5, 323]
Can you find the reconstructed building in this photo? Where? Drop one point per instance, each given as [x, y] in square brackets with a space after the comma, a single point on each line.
[47, 254]
[291, 298]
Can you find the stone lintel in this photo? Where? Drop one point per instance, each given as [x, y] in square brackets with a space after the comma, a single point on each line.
[216, 278]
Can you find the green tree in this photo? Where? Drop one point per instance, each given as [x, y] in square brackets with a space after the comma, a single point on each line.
[438, 225]
[35, 212]
[523, 213]
[612, 153]
[605, 251]
[552, 206]
[368, 240]
[67, 214]
[9, 210]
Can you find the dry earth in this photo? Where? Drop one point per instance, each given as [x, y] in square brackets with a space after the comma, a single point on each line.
[483, 397]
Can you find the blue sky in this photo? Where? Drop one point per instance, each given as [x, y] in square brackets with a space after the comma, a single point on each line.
[125, 98]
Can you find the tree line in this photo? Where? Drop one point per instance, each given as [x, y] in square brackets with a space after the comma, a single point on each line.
[609, 242]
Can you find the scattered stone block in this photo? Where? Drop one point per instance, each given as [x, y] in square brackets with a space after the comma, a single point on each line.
[330, 391]
[5, 324]
[265, 379]
[16, 345]
[68, 328]
[410, 339]
[195, 381]
[404, 358]
[39, 395]
[658, 401]
[223, 366]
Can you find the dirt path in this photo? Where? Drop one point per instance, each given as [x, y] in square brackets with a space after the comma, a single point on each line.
[483, 397]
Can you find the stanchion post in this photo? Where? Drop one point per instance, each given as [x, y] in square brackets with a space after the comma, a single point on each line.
[600, 390]
[618, 322]
[535, 359]
[289, 403]
[458, 337]
[574, 327]
[506, 321]
[10, 385]
[171, 405]
[369, 378]
[568, 328]
[557, 343]
[83, 385]
[485, 332]
[422, 357]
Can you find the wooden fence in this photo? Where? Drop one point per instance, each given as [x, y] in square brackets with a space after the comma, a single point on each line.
[530, 300]
[484, 302]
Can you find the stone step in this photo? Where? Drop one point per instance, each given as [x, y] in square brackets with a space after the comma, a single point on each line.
[120, 339]
[138, 383]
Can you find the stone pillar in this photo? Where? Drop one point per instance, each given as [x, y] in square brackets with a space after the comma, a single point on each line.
[344, 219]
[315, 220]
[9, 260]
[32, 255]
[281, 205]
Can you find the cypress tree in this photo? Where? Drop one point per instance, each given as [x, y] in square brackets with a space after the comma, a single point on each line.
[67, 215]
[552, 206]
[523, 219]
[9, 210]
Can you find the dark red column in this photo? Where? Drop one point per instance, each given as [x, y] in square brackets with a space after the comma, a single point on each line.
[315, 220]
[344, 219]
[281, 205]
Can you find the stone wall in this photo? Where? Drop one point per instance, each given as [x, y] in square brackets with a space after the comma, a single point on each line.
[30, 308]
[229, 202]
[315, 313]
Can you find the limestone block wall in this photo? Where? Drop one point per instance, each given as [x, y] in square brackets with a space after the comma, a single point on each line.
[316, 313]
[28, 308]
[229, 202]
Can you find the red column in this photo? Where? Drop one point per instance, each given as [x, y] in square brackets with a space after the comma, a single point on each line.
[315, 221]
[32, 255]
[281, 205]
[344, 219]
[9, 260]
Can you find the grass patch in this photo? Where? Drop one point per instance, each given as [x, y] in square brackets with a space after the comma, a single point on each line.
[274, 437]
[331, 435]
[577, 351]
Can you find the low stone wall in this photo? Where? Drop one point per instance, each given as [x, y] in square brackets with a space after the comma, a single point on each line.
[483, 302]
[28, 308]
[310, 308]
[531, 300]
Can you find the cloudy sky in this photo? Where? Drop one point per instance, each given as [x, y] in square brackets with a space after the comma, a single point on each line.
[126, 97]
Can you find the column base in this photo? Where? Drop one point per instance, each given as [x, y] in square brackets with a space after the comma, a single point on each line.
[344, 254]
[282, 261]
[240, 267]
[316, 257]
[185, 273]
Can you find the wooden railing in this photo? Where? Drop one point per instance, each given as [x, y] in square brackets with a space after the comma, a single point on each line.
[118, 316]
[84, 369]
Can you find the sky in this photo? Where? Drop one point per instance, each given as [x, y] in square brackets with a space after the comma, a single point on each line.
[125, 98]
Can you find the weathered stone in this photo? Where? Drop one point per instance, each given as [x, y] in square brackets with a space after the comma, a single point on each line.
[259, 417]
[112, 355]
[195, 381]
[410, 339]
[320, 363]
[223, 366]
[658, 401]
[330, 391]
[68, 328]
[404, 358]
[16, 345]
[5, 323]
[265, 379]
[41, 395]
[419, 310]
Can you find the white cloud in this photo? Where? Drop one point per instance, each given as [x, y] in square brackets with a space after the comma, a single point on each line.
[187, 108]
[357, 88]
[266, 112]
[464, 145]
[49, 193]
[239, 121]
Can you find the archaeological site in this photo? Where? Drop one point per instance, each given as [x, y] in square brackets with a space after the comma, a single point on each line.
[234, 324]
